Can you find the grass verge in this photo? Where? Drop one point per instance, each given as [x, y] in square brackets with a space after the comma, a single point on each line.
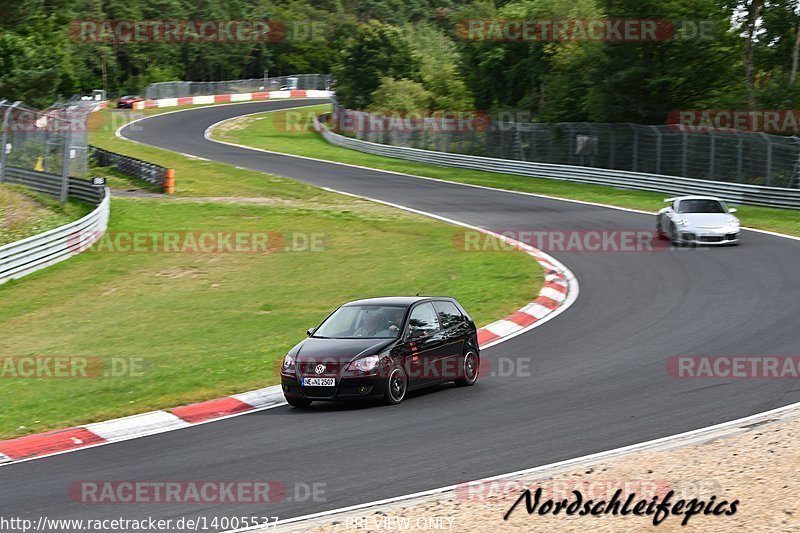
[290, 132]
[24, 213]
[176, 328]
[193, 177]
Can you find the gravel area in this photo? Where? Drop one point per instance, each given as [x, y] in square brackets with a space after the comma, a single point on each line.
[760, 469]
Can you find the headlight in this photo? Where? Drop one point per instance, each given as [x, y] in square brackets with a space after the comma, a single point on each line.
[733, 221]
[365, 364]
[288, 364]
[681, 222]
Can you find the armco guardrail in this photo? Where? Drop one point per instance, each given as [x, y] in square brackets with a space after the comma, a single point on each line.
[39, 251]
[736, 193]
[155, 174]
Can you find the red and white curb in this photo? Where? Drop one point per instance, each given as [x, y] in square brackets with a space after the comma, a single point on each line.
[141, 425]
[559, 283]
[227, 98]
[559, 291]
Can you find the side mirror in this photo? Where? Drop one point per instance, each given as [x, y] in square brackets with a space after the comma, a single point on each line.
[310, 331]
[732, 210]
[416, 333]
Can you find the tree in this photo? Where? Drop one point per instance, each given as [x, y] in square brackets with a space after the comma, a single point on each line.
[548, 78]
[400, 95]
[439, 67]
[690, 68]
[375, 52]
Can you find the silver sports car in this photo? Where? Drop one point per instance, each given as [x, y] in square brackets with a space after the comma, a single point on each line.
[698, 220]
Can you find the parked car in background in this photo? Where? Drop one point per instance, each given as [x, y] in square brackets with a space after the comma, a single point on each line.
[128, 101]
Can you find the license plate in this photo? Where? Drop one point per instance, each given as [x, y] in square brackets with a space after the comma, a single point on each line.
[319, 382]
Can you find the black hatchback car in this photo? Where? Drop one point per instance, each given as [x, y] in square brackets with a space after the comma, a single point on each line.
[382, 348]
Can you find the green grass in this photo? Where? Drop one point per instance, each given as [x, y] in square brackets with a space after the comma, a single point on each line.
[193, 177]
[208, 325]
[272, 131]
[24, 213]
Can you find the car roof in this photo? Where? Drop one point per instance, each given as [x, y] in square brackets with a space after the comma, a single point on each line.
[396, 300]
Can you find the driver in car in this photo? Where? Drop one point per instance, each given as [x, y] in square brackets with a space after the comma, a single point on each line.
[374, 326]
[396, 319]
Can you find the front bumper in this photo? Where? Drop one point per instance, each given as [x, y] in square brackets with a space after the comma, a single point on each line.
[347, 388]
[705, 236]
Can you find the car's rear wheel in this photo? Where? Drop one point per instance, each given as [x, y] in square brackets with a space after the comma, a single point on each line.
[470, 367]
[298, 402]
[396, 386]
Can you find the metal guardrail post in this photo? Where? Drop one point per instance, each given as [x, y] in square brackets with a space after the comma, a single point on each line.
[769, 159]
[3, 148]
[658, 149]
[570, 144]
[796, 181]
[739, 157]
[65, 165]
[612, 149]
[46, 156]
[685, 154]
[712, 156]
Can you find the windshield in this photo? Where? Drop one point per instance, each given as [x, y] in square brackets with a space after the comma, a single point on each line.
[363, 322]
[701, 206]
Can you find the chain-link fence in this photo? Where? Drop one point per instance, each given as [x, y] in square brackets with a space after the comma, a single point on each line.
[182, 89]
[53, 141]
[734, 156]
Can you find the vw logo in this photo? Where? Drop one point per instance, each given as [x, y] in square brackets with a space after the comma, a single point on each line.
[319, 369]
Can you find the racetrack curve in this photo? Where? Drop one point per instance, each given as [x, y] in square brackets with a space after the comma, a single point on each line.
[599, 378]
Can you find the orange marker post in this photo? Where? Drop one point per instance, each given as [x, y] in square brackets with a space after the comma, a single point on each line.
[169, 181]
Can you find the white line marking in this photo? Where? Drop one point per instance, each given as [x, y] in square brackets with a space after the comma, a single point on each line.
[4, 458]
[574, 288]
[486, 187]
[262, 394]
[696, 436]
[570, 299]
[118, 131]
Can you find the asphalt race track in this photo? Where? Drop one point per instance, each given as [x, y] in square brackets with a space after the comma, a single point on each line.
[598, 382]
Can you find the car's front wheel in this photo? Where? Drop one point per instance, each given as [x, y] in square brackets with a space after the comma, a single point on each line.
[396, 386]
[659, 230]
[673, 235]
[298, 402]
[470, 366]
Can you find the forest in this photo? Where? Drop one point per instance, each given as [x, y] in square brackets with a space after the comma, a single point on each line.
[428, 54]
